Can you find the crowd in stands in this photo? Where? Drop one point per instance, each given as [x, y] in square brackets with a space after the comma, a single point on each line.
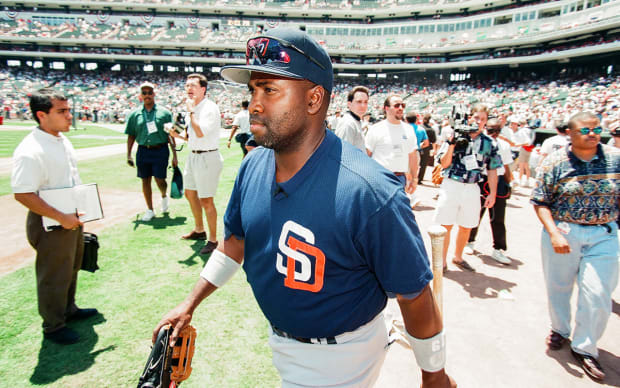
[232, 32]
[305, 4]
[110, 96]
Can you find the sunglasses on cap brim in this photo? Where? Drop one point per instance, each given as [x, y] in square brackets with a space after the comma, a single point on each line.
[264, 50]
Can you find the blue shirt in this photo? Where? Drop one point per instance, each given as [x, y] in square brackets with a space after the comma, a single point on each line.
[420, 134]
[324, 249]
[487, 157]
[578, 191]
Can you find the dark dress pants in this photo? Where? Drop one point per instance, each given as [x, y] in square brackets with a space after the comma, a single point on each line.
[497, 216]
[59, 258]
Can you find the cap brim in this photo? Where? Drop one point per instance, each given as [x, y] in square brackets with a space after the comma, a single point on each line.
[242, 73]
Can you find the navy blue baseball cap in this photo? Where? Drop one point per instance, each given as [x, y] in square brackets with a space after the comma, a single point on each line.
[286, 52]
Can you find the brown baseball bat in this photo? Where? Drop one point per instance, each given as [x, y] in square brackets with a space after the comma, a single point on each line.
[437, 233]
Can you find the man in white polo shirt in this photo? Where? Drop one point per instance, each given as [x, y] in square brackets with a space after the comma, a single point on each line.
[204, 163]
[45, 159]
[393, 144]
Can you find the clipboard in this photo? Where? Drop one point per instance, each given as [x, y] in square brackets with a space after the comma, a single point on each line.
[81, 199]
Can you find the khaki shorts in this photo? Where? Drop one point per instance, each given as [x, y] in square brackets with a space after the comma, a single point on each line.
[202, 173]
[458, 203]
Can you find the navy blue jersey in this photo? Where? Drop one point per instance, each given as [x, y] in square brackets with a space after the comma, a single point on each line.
[325, 248]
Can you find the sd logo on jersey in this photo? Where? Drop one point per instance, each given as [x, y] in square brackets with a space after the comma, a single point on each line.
[298, 254]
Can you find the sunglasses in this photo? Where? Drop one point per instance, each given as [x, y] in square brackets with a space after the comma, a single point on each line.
[399, 105]
[586, 130]
[493, 130]
[264, 50]
[147, 93]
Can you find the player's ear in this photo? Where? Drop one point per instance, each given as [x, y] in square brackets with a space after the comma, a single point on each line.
[316, 96]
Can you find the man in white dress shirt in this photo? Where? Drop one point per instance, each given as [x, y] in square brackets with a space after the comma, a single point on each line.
[204, 163]
[44, 160]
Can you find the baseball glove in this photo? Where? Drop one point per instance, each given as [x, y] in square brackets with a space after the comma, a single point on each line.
[168, 365]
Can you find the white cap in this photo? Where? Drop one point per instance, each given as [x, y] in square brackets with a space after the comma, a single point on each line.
[147, 85]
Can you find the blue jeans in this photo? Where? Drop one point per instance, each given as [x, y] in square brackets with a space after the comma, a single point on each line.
[593, 263]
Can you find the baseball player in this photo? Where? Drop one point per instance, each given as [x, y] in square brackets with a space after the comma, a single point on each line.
[333, 236]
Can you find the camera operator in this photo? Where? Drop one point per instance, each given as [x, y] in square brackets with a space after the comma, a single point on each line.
[463, 158]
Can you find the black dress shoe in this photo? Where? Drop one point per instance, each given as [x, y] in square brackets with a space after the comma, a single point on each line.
[82, 314]
[589, 365]
[208, 248]
[64, 336]
[195, 236]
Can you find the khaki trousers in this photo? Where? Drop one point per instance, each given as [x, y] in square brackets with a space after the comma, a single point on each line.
[59, 257]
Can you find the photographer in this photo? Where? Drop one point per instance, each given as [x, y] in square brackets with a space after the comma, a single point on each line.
[497, 213]
[463, 158]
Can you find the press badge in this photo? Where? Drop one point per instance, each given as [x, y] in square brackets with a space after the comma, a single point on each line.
[151, 127]
[470, 162]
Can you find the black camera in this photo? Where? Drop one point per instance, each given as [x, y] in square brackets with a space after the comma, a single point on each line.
[461, 136]
[179, 123]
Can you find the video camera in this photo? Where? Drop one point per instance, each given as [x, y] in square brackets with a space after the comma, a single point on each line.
[461, 135]
[178, 126]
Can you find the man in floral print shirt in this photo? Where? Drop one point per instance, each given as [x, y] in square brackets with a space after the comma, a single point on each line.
[576, 199]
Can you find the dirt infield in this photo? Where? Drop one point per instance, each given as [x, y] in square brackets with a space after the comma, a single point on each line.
[17, 253]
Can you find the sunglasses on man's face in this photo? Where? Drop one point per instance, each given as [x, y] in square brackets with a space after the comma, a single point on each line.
[494, 130]
[147, 92]
[586, 130]
[264, 50]
[399, 105]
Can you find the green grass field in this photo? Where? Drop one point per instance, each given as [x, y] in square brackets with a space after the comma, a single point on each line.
[89, 135]
[145, 271]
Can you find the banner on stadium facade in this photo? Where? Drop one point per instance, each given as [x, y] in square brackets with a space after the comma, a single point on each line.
[103, 17]
[193, 20]
[148, 19]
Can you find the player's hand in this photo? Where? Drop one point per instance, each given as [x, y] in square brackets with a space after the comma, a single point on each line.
[228, 144]
[559, 243]
[70, 221]
[437, 380]
[490, 201]
[130, 161]
[178, 318]
[175, 161]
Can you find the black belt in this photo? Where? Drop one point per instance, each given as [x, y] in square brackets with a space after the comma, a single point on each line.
[327, 340]
[154, 147]
[399, 173]
[203, 151]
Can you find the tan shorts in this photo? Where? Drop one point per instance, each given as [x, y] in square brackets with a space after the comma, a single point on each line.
[202, 173]
[458, 203]
[524, 156]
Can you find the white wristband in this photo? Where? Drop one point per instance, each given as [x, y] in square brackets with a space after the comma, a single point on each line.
[430, 353]
[219, 268]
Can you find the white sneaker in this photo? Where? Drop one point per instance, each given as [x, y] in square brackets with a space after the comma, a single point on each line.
[469, 248]
[164, 205]
[499, 256]
[148, 215]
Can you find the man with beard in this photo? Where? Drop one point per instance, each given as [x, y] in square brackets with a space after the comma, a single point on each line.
[146, 127]
[324, 234]
[393, 144]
